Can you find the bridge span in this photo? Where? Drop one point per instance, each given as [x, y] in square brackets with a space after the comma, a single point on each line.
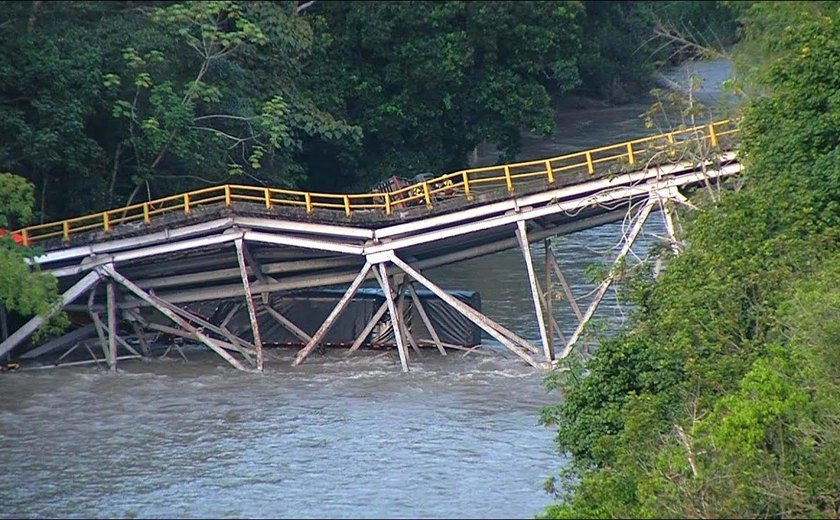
[245, 245]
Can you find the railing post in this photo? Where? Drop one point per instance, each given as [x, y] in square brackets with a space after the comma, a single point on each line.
[65, 228]
[427, 194]
[25, 233]
[589, 164]
[466, 177]
[713, 136]
[267, 194]
[146, 218]
[549, 172]
[631, 158]
[347, 205]
[508, 179]
[308, 197]
[106, 222]
[186, 203]
[387, 202]
[227, 195]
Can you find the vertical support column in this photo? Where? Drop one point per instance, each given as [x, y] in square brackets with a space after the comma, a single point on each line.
[112, 326]
[549, 295]
[668, 213]
[141, 337]
[249, 301]
[602, 289]
[395, 320]
[330, 320]
[100, 329]
[522, 236]
[401, 313]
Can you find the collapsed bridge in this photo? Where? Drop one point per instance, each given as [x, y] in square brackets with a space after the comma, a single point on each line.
[194, 265]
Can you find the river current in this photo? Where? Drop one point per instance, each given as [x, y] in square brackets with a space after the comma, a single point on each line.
[337, 437]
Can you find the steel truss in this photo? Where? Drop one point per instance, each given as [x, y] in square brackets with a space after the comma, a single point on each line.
[348, 255]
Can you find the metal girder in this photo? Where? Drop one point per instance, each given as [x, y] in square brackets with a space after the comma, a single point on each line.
[293, 283]
[425, 317]
[125, 256]
[111, 246]
[304, 243]
[249, 302]
[296, 226]
[576, 190]
[522, 235]
[109, 271]
[395, 317]
[602, 288]
[330, 319]
[473, 315]
[568, 206]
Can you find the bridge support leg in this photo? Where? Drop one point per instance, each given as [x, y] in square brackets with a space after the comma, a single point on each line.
[237, 344]
[287, 323]
[249, 301]
[567, 290]
[485, 323]
[368, 327]
[401, 312]
[553, 326]
[670, 225]
[522, 236]
[141, 337]
[425, 317]
[66, 340]
[109, 271]
[602, 288]
[111, 296]
[328, 323]
[395, 318]
[548, 297]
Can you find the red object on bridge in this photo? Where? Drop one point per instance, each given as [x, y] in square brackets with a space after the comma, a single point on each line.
[16, 236]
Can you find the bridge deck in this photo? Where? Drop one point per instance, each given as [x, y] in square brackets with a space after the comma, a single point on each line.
[471, 188]
[172, 253]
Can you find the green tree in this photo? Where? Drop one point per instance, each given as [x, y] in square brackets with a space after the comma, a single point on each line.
[428, 81]
[715, 401]
[23, 288]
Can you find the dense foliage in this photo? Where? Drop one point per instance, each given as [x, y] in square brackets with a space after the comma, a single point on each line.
[23, 290]
[102, 103]
[722, 398]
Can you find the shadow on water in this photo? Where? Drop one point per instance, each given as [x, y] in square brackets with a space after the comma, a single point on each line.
[336, 437]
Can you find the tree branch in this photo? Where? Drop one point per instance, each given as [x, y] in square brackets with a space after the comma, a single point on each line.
[304, 6]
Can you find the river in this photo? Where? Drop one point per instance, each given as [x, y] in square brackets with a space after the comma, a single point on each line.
[334, 438]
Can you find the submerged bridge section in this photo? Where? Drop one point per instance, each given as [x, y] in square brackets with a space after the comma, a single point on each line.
[245, 246]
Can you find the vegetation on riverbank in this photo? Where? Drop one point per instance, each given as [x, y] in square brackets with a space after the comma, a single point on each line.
[23, 289]
[105, 103]
[721, 398]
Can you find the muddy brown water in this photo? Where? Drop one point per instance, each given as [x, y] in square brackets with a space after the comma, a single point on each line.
[336, 437]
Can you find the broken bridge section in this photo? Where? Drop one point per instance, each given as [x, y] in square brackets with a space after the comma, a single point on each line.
[138, 273]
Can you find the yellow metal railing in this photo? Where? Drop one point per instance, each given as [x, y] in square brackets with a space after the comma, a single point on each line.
[658, 149]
